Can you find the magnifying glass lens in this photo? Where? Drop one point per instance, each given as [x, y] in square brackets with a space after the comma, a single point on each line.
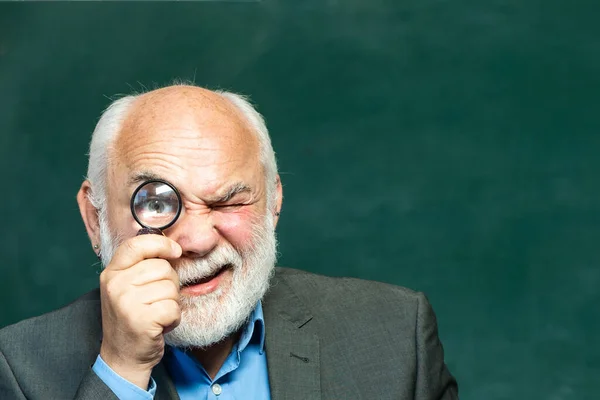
[156, 205]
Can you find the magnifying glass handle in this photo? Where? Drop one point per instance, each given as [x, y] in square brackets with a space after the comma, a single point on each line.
[149, 231]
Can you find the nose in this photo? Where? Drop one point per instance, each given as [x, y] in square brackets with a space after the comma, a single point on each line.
[195, 233]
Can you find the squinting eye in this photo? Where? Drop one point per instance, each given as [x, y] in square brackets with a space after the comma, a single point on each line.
[225, 207]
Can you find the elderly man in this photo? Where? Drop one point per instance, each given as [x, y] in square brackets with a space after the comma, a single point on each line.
[198, 310]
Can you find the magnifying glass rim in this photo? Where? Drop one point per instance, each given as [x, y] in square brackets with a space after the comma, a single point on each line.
[135, 192]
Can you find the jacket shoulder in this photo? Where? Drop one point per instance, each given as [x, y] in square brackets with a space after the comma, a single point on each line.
[341, 302]
[76, 314]
[341, 289]
[68, 337]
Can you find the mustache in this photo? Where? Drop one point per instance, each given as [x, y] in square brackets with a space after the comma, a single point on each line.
[191, 270]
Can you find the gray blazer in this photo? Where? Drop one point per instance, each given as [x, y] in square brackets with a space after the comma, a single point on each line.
[326, 338]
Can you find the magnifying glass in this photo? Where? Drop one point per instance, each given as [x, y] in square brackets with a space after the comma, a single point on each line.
[155, 205]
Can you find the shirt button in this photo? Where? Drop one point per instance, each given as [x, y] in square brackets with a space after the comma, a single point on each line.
[216, 389]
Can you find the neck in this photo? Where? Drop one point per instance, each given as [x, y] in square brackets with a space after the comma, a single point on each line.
[212, 358]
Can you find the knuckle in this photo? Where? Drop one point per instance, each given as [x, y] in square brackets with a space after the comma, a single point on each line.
[174, 278]
[174, 291]
[164, 268]
[163, 309]
[125, 302]
[111, 287]
[174, 307]
[167, 288]
[130, 246]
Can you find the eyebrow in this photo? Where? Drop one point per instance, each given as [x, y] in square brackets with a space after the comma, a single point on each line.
[143, 177]
[233, 190]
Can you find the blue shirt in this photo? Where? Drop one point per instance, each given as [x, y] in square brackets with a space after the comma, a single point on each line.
[242, 376]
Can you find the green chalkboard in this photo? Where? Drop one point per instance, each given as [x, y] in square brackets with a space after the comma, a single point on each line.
[449, 146]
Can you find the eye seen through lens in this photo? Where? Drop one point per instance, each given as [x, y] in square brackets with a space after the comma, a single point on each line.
[156, 204]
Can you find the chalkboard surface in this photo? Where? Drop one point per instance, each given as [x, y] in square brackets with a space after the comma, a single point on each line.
[449, 146]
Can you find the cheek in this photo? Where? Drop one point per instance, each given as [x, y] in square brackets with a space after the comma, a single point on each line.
[236, 228]
[123, 224]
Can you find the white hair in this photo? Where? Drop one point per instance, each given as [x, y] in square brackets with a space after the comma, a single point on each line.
[110, 125]
[106, 130]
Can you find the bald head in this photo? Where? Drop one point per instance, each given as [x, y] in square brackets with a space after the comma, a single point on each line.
[179, 105]
[183, 128]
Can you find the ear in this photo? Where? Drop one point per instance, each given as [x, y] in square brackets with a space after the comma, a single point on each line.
[278, 202]
[89, 213]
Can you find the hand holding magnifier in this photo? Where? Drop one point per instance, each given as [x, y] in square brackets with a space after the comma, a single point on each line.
[139, 288]
[155, 205]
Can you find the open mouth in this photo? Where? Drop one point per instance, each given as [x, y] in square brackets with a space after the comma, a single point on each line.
[206, 284]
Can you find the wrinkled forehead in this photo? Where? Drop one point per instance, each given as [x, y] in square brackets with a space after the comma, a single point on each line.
[185, 126]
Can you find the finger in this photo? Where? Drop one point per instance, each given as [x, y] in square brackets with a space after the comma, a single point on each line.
[167, 313]
[153, 292]
[151, 270]
[143, 247]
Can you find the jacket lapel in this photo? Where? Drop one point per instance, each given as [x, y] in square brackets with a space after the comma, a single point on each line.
[292, 352]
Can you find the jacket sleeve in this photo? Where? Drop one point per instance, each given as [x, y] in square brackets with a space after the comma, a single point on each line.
[93, 388]
[433, 381]
[90, 388]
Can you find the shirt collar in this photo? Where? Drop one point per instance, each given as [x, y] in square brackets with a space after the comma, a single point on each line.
[254, 330]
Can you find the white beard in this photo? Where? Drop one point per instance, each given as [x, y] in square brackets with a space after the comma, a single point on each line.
[208, 319]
